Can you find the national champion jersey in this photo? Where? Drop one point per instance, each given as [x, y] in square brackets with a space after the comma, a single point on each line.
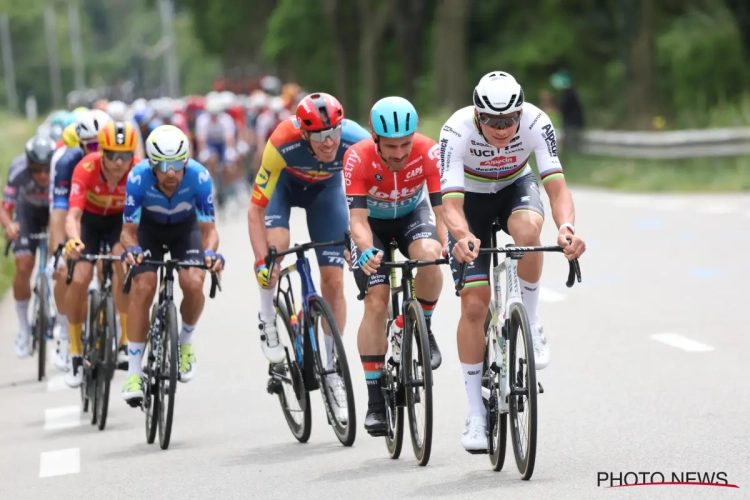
[390, 195]
[288, 150]
[62, 175]
[90, 191]
[22, 187]
[145, 201]
[469, 163]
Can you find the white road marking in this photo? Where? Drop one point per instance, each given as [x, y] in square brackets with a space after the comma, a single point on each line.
[549, 295]
[716, 210]
[56, 383]
[60, 462]
[680, 342]
[62, 418]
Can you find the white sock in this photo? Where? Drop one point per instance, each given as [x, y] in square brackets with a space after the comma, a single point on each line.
[473, 380]
[267, 311]
[135, 358]
[22, 310]
[62, 320]
[329, 351]
[530, 298]
[186, 334]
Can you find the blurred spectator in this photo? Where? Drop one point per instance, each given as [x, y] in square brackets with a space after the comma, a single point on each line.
[547, 103]
[570, 109]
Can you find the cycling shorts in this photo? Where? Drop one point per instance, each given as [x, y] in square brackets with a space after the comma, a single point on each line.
[183, 241]
[325, 205]
[417, 225]
[32, 220]
[482, 209]
[218, 149]
[98, 229]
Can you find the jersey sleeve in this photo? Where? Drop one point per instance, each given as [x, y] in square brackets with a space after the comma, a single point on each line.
[356, 191]
[79, 185]
[451, 147]
[432, 174]
[545, 150]
[268, 175]
[204, 202]
[11, 188]
[134, 190]
[201, 127]
[63, 173]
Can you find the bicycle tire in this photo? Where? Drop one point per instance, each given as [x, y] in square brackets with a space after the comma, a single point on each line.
[497, 422]
[415, 328]
[168, 376]
[345, 432]
[42, 324]
[91, 314]
[105, 362]
[519, 321]
[300, 431]
[394, 413]
[150, 387]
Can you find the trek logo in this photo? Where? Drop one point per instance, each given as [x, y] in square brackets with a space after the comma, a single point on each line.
[499, 161]
[414, 173]
[290, 148]
[479, 152]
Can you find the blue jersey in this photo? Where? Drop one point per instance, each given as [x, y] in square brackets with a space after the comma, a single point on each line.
[63, 174]
[192, 198]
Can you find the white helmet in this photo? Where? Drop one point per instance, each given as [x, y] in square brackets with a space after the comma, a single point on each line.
[164, 108]
[215, 105]
[89, 123]
[167, 143]
[276, 104]
[498, 93]
[257, 101]
[117, 110]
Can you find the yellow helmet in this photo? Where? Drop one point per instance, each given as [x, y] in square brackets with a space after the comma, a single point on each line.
[80, 108]
[70, 136]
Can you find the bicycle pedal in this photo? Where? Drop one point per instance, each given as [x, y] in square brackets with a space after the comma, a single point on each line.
[478, 452]
[122, 366]
[135, 403]
[378, 433]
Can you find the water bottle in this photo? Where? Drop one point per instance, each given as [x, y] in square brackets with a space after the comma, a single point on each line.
[397, 328]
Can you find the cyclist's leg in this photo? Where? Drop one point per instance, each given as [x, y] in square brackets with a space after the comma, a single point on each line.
[24, 251]
[327, 219]
[522, 218]
[121, 300]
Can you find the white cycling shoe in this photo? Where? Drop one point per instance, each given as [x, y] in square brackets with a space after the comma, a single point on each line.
[273, 350]
[62, 359]
[541, 347]
[339, 395]
[475, 433]
[74, 376]
[23, 345]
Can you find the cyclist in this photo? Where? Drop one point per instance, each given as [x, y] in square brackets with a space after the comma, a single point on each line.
[168, 204]
[385, 179]
[484, 154]
[97, 201]
[301, 167]
[88, 124]
[215, 133]
[27, 192]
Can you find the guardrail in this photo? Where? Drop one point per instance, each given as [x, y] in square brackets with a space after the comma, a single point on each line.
[677, 144]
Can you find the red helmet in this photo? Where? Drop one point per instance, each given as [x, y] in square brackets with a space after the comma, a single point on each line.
[195, 103]
[319, 111]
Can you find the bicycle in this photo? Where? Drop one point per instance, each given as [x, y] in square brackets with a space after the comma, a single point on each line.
[162, 349]
[401, 382]
[303, 377]
[45, 312]
[508, 378]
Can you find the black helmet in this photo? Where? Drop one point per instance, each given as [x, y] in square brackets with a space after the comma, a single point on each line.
[40, 149]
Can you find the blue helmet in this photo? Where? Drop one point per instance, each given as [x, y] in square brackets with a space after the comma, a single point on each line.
[393, 117]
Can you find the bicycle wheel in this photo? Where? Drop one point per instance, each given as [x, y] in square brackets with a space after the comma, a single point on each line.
[522, 402]
[151, 375]
[294, 399]
[417, 379]
[169, 363]
[41, 324]
[497, 421]
[393, 395]
[106, 360]
[86, 341]
[335, 383]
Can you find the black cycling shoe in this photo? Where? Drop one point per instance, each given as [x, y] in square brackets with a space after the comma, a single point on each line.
[436, 359]
[375, 421]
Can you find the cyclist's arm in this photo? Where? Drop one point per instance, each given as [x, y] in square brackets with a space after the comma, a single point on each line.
[356, 199]
[77, 201]
[452, 183]
[432, 177]
[204, 208]
[9, 203]
[131, 216]
[60, 195]
[201, 132]
[73, 223]
[129, 235]
[57, 228]
[230, 130]
[265, 181]
[551, 174]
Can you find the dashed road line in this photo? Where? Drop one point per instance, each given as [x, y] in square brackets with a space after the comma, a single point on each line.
[63, 417]
[680, 342]
[56, 383]
[60, 462]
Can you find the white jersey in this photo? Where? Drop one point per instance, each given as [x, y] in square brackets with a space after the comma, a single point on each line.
[53, 162]
[214, 132]
[469, 163]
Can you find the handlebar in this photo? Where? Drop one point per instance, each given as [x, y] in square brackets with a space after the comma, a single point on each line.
[86, 258]
[215, 284]
[33, 236]
[462, 273]
[404, 264]
[274, 254]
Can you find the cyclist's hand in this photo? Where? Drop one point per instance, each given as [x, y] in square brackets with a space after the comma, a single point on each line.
[214, 261]
[73, 248]
[266, 278]
[12, 231]
[132, 256]
[573, 246]
[461, 249]
[369, 261]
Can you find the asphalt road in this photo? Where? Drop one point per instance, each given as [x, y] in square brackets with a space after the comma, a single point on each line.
[648, 373]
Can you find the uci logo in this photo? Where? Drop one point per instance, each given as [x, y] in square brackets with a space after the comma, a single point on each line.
[479, 152]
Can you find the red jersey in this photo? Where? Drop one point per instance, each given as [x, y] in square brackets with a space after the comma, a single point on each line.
[386, 194]
[89, 190]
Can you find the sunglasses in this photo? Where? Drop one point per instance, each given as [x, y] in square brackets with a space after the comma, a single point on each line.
[125, 156]
[499, 122]
[321, 135]
[91, 147]
[164, 166]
